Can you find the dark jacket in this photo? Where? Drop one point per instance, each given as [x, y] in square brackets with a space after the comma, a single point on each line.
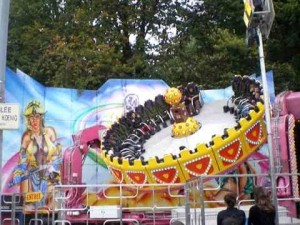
[259, 217]
[231, 212]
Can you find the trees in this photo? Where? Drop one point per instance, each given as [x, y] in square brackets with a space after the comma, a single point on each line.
[283, 47]
[210, 48]
[82, 43]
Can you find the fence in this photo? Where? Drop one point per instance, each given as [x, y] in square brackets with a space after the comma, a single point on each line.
[204, 201]
[195, 203]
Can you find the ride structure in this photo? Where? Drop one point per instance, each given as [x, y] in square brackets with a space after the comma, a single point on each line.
[139, 172]
[285, 130]
[229, 146]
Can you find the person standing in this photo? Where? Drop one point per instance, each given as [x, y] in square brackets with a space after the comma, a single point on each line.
[263, 212]
[231, 215]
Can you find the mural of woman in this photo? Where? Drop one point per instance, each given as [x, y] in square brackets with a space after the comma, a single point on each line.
[242, 186]
[40, 157]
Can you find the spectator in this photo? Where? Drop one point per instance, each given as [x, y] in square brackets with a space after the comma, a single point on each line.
[231, 215]
[263, 212]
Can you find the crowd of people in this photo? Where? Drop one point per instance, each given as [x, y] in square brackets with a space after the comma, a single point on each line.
[262, 212]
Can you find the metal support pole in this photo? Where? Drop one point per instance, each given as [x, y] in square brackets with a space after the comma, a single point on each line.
[4, 12]
[187, 191]
[35, 214]
[268, 121]
[13, 209]
[201, 190]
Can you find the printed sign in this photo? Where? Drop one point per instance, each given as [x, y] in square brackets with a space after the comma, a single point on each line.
[9, 116]
[33, 196]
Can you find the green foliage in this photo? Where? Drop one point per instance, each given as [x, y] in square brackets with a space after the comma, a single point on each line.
[283, 48]
[211, 67]
[82, 43]
[286, 77]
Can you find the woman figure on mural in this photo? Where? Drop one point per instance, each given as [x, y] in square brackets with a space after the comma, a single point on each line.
[242, 185]
[39, 157]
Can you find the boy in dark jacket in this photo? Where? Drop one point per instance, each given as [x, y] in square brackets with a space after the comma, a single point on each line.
[231, 215]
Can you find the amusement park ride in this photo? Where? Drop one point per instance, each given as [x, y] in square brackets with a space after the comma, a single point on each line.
[162, 144]
[156, 147]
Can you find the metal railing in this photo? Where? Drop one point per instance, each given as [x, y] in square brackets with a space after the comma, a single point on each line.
[126, 204]
[194, 203]
[204, 197]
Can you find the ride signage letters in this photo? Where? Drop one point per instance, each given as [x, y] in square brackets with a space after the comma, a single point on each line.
[33, 196]
[9, 116]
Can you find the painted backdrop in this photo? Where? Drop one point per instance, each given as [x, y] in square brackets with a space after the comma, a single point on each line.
[68, 111]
